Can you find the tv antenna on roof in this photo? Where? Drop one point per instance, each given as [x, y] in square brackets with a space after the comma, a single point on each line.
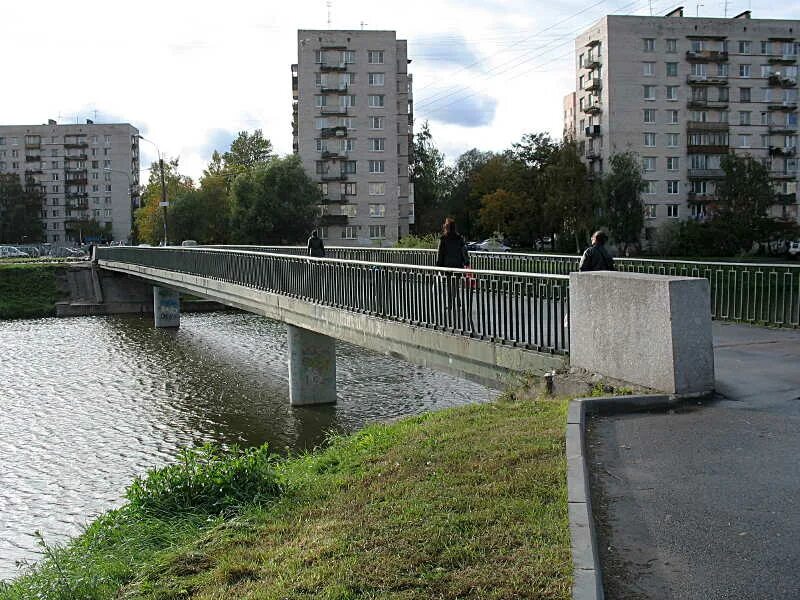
[329, 3]
[697, 9]
[363, 25]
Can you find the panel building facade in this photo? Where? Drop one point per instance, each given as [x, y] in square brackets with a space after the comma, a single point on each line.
[681, 92]
[86, 172]
[352, 127]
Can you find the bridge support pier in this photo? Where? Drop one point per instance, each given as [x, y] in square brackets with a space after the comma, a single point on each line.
[166, 307]
[312, 367]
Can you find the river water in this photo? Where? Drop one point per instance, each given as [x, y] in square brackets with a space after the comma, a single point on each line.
[88, 403]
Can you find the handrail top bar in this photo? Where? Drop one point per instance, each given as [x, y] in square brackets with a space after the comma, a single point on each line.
[341, 260]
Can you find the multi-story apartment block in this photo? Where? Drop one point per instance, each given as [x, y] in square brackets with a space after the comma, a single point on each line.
[681, 93]
[569, 116]
[353, 131]
[86, 172]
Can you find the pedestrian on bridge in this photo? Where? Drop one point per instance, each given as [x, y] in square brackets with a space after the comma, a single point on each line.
[315, 246]
[596, 257]
[452, 253]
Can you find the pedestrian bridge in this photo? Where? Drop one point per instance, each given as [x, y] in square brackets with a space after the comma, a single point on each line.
[487, 326]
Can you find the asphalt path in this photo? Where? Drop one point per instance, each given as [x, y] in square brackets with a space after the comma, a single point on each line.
[703, 502]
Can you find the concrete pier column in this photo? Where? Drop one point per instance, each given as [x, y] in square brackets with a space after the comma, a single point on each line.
[312, 367]
[166, 307]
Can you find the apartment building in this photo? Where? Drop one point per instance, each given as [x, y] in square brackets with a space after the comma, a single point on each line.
[86, 172]
[681, 92]
[352, 126]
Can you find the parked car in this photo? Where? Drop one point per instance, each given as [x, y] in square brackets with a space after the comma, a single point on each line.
[12, 252]
[189, 243]
[492, 245]
[794, 249]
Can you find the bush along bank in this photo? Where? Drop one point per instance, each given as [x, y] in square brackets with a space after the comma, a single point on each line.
[29, 290]
[464, 503]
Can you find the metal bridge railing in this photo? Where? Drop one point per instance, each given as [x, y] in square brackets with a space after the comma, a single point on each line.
[523, 309]
[757, 293]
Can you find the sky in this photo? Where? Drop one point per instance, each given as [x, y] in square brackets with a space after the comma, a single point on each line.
[191, 75]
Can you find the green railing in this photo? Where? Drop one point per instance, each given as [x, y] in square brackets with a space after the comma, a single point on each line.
[521, 309]
[757, 293]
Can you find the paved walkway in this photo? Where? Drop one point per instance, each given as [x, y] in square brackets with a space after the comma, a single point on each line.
[704, 502]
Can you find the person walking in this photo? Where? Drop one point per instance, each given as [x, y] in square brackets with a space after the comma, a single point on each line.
[315, 246]
[596, 257]
[452, 253]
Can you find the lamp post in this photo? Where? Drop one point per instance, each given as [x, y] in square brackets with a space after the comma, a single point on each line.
[163, 204]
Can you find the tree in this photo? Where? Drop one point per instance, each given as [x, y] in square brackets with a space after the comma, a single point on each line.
[20, 210]
[620, 199]
[460, 203]
[568, 194]
[500, 211]
[428, 176]
[150, 217]
[274, 204]
[248, 152]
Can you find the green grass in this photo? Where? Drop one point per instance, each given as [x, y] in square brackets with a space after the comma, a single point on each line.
[28, 290]
[464, 503]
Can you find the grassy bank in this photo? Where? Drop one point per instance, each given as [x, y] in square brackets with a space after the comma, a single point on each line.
[28, 290]
[463, 503]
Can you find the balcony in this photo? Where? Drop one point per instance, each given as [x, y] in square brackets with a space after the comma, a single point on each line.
[592, 131]
[699, 103]
[76, 144]
[788, 105]
[78, 195]
[706, 56]
[29, 158]
[591, 154]
[706, 173]
[707, 79]
[593, 109]
[33, 145]
[593, 83]
[699, 198]
[75, 157]
[333, 110]
[706, 126]
[76, 181]
[333, 67]
[592, 62]
[787, 198]
[334, 199]
[782, 128]
[783, 59]
[339, 89]
[783, 174]
[706, 149]
[80, 204]
[333, 220]
[782, 151]
[593, 43]
[778, 80]
[334, 154]
[329, 132]
[334, 176]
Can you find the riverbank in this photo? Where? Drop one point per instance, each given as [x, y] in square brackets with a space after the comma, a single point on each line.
[468, 502]
[30, 290]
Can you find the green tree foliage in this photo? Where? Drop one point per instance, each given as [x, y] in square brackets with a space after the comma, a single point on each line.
[568, 198]
[428, 174]
[248, 151]
[274, 204]
[20, 211]
[460, 202]
[619, 196]
[150, 217]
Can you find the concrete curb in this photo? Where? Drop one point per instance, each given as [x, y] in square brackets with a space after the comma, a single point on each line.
[587, 577]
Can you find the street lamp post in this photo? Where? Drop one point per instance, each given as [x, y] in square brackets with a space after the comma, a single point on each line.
[163, 202]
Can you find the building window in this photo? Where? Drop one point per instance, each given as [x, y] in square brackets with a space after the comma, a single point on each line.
[377, 232]
[649, 187]
[672, 46]
[108, 187]
[323, 232]
[672, 163]
[649, 115]
[672, 69]
[375, 57]
[744, 94]
[744, 140]
[323, 188]
[672, 210]
[649, 44]
[649, 92]
[377, 210]
[95, 188]
[672, 187]
[650, 140]
[648, 163]
[744, 70]
[54, 189]
[744, 117]
[320, 101]
[376, 79]
[376, 166]
[349, 167]
[672, 117]
[672, 140]
[319, 56]
[377, 144]
[672, 92]
[745, 47]
[321, 167]
[766, 47]
[649, 69]
[54, 176]
[376, 122]
[376, 100]
[350, 210]
[348, 189]
[349, 57]
[377, 189]
[649, 211]
[107, 140]
[349, 232]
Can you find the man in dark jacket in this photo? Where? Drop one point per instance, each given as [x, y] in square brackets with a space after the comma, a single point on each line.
[315, 246]
[596, 257]
[452, 254]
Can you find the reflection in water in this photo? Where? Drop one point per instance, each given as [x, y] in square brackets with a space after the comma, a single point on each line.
[88, 403]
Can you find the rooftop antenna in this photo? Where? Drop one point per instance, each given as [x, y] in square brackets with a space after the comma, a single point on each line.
[650, 3]
[726, 9]
[329, 3]
[363, 25]
[697, 9]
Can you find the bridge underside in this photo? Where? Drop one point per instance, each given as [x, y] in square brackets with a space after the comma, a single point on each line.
[479, 360]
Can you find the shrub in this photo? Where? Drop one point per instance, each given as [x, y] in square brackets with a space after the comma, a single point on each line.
[209, 480]
[430, 240]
